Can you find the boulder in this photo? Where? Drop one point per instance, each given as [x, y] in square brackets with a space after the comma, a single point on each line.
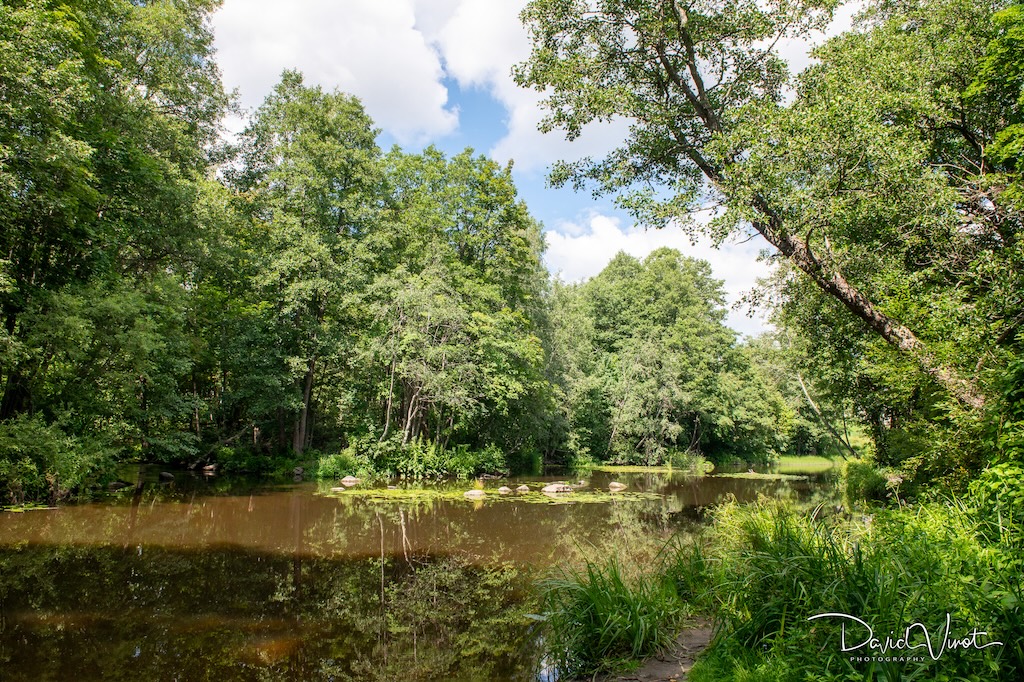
[474, 494]
[210, 468]
[557, 488]
[523, 489]
[504, 490]
[350, 481]
[339, 489]
[166, 476]
[615, 486]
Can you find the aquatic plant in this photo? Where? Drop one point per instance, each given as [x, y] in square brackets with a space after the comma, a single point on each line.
[598, 620]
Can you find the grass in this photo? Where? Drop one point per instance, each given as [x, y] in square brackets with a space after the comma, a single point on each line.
[762, 570]
[601, 621]
[806, 465]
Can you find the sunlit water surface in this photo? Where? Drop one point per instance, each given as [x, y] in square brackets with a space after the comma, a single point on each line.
[217, 579]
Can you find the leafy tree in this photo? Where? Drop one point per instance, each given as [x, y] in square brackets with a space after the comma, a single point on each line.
[109, 111]
[650, 368]
[309, 174]
[868, 145]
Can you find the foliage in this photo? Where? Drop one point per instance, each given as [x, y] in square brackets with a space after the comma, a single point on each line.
[599, 620]
[650, 372]
[40, 461]
[772, 569]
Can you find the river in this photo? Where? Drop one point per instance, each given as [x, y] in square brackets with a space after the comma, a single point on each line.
[217, 578]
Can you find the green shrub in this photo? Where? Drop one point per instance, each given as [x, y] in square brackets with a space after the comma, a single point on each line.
[38, 461]
[338, 465]
[420, 459]
[862, 481]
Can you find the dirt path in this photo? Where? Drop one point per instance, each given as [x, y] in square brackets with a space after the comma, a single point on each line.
[673, 665]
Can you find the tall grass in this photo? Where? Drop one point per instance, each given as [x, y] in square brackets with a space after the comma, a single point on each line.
[599, 620]
[768, 569]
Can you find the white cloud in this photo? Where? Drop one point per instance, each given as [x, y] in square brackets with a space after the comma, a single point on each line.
[369, 48]
[581, 250]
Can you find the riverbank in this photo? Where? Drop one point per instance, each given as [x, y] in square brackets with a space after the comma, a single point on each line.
[766, 572]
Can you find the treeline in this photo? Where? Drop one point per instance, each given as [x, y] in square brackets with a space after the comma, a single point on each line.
[167, 297]
[886, 176]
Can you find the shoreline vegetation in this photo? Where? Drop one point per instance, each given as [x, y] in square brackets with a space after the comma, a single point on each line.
[300, 300]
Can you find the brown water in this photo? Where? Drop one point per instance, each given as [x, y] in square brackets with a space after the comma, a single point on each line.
[203, 579]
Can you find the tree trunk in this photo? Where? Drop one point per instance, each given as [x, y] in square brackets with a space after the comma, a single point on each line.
[299, 435]
[832, 282]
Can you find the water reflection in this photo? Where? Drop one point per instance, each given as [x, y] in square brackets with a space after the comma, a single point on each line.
[201, 579]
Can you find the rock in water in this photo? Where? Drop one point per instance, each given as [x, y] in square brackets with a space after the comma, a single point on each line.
[557, 488]
[523, 489]
[615, 486]
[474, 494]
[210, 468]
[166, 476]
[504, 490]
[350, 481]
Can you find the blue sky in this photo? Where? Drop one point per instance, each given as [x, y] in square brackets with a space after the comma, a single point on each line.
[438, 72]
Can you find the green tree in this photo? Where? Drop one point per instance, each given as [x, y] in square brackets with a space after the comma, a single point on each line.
[109, 111]
[310, 177]
[703, 87]
[650, 368]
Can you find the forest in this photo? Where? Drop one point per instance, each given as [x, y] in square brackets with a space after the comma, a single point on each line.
[302, 295]
[299, 294]
[296, 298]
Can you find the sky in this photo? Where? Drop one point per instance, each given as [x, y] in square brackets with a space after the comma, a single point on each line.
[439, 72]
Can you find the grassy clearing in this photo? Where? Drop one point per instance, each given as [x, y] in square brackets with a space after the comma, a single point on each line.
[806, 465]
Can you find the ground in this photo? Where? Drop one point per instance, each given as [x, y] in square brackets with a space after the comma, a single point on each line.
[673, 665]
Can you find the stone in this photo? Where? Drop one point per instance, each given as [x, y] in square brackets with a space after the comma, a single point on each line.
[350, 481]
[210, 468]
[557, 488]
[523, 489]
[339, 489]
[166, 476]
[474, 494]
[504, 490]
[615, 486]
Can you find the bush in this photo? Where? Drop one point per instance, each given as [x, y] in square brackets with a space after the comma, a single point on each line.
[338, 465]
[38, 461]
[861, 481]
[420, 459]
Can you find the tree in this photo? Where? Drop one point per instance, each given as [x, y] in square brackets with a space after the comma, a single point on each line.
[310, 175]
[702, 86]
[108, 114]
[649, 368]
[456, 306]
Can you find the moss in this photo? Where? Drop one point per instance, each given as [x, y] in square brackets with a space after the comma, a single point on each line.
[764, 477]
[581, 496]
